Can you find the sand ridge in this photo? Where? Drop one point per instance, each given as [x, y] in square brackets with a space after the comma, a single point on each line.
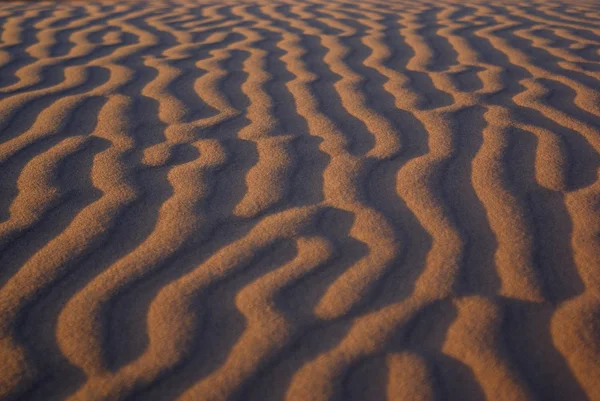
[299, 200]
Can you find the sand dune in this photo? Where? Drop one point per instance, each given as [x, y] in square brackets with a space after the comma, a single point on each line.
[300, 200]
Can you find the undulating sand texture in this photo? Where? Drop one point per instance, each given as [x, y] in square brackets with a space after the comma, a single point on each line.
[300, 200]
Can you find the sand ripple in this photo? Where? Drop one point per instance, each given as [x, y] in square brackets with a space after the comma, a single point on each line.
[300, 200]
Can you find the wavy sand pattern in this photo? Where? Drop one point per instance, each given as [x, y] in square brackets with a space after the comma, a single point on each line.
[300, 200]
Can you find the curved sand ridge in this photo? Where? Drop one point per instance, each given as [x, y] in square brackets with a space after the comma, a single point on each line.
[294, 200]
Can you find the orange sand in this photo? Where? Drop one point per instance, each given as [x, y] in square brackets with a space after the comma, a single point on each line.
[292, 200]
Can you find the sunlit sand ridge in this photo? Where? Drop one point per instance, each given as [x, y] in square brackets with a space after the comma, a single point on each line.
[300, 200]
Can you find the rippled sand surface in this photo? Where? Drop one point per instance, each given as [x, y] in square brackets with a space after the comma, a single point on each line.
[300, 200]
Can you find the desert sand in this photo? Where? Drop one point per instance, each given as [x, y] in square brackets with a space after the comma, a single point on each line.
[317, 200]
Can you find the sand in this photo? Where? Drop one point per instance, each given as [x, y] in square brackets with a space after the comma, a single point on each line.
[317, 200]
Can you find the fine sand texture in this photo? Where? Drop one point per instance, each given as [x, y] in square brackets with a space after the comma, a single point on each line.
[285, 200]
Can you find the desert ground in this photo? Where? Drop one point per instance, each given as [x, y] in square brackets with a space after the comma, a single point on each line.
[286, 200]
